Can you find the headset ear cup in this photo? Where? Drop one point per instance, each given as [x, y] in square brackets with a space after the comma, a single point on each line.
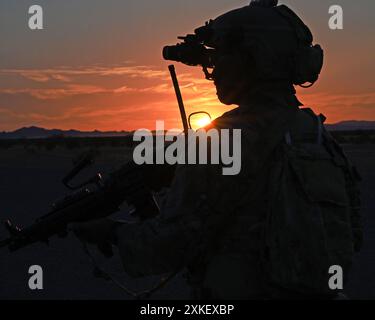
[308, 64]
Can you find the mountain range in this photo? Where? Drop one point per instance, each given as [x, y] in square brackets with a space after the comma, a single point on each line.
[351, 125]
[40, 133]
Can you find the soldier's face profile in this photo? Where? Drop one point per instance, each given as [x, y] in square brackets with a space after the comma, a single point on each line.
[230, 80]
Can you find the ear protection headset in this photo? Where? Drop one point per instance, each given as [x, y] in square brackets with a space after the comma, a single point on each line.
[308, 60]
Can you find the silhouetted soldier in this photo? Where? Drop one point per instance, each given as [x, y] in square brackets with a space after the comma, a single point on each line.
[274, 230]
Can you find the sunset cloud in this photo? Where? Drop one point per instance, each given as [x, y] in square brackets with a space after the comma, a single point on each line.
[109, 96]
[65, 74]
[56, 93]
[70, 83]
[102, 69]
[132, 96]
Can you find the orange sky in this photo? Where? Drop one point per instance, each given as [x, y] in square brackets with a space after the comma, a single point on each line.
[99, 66]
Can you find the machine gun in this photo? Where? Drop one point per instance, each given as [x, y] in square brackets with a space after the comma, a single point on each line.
[98, 197]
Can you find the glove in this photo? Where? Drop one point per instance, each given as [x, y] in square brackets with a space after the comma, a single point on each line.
[97, 232]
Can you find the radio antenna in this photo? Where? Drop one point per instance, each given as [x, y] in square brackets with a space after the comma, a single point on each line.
[181, 106]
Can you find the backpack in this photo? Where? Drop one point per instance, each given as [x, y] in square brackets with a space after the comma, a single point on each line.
[313, 219]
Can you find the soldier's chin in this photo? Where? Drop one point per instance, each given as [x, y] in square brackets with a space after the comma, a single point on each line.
[225, 98]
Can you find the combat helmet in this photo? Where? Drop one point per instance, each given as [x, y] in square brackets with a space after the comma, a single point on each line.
[276, 43]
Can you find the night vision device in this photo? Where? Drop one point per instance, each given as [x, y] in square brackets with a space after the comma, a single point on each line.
[194, 50]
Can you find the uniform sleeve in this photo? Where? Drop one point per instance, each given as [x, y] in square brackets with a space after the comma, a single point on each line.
[171, 240]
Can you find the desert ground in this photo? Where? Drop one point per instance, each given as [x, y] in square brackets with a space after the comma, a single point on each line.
[30, 182]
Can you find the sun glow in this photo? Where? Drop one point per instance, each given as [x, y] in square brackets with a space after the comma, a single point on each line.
[202, 122]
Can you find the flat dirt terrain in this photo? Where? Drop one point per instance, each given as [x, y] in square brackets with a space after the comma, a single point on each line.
[30, 183]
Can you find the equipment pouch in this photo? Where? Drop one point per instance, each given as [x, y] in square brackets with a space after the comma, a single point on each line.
[308, 226]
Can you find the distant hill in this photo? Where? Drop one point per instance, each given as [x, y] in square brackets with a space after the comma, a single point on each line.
[41, 133]
[351, 125]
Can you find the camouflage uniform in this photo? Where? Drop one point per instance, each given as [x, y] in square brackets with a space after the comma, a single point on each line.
[274, 229]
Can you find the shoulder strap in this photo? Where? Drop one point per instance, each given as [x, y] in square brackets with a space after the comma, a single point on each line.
[320, 119]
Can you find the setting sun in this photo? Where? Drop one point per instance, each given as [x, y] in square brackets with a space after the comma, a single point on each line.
[202, 122]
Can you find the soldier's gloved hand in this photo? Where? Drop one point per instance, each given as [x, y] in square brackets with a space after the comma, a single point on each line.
[98, 232]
